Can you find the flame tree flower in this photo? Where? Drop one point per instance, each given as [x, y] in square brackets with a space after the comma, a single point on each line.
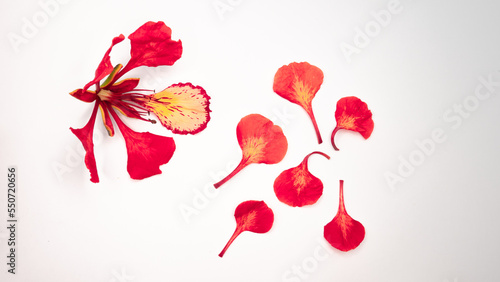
[182, 108]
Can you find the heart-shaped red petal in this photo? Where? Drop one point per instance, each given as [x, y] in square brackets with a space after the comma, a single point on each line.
[299, 83]
[343, 232]
[297, 187]
[353, 114]
[260, 141]
[253, 216]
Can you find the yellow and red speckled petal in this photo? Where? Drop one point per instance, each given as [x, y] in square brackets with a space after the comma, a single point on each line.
[253, 216]
[85, 135]
[353, 114]
[299, 83]
[85, 96]
[343, 232]
[182, 108]
[146, 152]
[297, 187]
[106, 118]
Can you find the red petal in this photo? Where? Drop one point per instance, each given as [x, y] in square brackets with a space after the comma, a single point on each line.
[123, 86]
[182, 108]
[298, 83]
[253, 216]
[343, 232]
[353, 114]
[106, 119]
[85, 96]
[261, 142]
[105, 66]
[152, 46]
[297, 187]
[146, 151]
[85, 135]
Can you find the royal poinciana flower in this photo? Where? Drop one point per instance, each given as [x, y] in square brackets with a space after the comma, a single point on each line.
[182, 108]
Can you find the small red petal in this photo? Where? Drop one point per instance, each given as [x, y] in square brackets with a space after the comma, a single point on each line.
[343, 232]
[253, 216]
[152, 46]
[260, 141]
[106, 119]
[353, 114]
[299, 83]
[105, 67]
[146, 151]
[297, 187]
[123, 86]
[85, 96]
[85, 135]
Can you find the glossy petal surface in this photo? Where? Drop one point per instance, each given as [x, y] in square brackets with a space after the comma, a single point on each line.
[299, 83]
[353, 114]
[260, 141]
[343, 232]
[146, 151]
[182, 108]
[297, 187]
[253, 216]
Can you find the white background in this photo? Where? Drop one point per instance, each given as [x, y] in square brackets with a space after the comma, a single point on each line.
[439, 224]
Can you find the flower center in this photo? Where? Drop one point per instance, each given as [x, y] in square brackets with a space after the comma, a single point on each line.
[105, 95]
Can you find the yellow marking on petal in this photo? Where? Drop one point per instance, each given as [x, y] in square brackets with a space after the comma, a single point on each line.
[302, 92]
[253, 149]
[248, 220]
[300, 178]
[180, 108]
[348, 122]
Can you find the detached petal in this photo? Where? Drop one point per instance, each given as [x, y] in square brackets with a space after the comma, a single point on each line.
[182, 108]
[353, 114]
[152, 46]
[85, 135]
[260, 140]
[298, 82]
[146, 151]
[85, 96]
[105, 66]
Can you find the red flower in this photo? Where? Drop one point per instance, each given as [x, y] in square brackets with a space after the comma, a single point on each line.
[182, 108]
[298, 83]
[343, 232]
[353, 114]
